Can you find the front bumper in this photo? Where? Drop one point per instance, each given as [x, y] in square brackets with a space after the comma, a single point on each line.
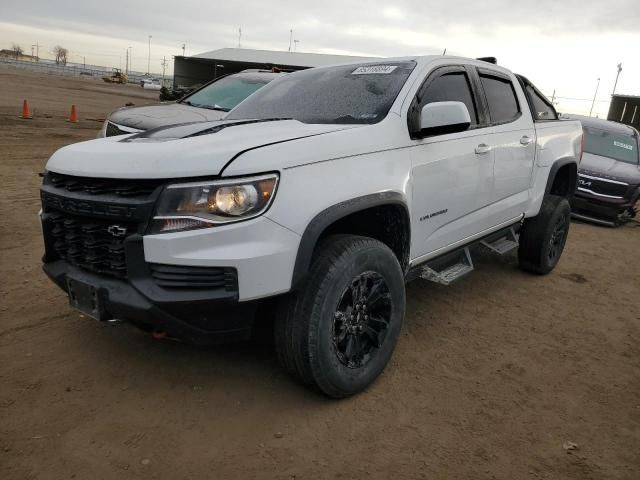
[589, 206]
[200, 285]
[192, 315]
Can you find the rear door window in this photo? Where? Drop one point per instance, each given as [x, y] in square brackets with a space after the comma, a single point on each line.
[501, 98]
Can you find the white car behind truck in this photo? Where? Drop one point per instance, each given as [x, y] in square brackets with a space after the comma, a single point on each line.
[319, 196]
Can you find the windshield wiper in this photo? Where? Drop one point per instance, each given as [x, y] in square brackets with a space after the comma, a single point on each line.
[238, 123]
[208, 107]
[349, 119]
[215, 107]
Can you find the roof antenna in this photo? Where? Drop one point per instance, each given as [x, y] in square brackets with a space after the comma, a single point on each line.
[445, 52]
[290, 39]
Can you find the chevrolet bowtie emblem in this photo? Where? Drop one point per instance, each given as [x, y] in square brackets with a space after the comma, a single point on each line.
[117, 230]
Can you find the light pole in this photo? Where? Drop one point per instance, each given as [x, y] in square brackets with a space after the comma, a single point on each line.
[149, 57]
[594, 97]
[129, 60]
[215, 70]
[617, 77]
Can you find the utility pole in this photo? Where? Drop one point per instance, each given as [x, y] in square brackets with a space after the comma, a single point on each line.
[295, 45]
[617, 77]
[239, 36]
[126, 63]
[290, 39]
[32, 52]
[84, 62]
[164, 66]
[149, 57]
[594, 97]
[130, 50]
[553, 98]
[183, 48]
[37, 51]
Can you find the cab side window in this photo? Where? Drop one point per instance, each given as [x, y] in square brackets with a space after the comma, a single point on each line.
[452, 87]
[542, 108]
[501, 98]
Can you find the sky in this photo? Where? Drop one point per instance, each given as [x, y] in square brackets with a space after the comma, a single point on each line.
[562, 46]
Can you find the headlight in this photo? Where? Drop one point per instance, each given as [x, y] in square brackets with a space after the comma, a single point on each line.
[188, 206]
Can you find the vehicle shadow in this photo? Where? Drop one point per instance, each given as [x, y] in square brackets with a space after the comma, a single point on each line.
[252, 364]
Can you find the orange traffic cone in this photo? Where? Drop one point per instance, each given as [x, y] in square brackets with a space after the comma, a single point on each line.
[26, 113]
[73, 117]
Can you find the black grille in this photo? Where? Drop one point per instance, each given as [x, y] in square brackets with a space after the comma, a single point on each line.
[603, 187]
[178, 276]
[95, 245]
[103, 186]
[113, 130]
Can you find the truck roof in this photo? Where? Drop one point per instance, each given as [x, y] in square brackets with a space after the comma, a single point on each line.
[425, 59]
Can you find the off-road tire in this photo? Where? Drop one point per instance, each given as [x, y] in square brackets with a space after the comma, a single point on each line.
[542, 238]
[306, 320]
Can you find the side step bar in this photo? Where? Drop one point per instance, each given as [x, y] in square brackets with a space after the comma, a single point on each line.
[587, 218]
[450, 269]
[503, 244]
[453, 266]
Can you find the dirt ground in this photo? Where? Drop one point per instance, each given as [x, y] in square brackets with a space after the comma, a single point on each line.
[490, 380]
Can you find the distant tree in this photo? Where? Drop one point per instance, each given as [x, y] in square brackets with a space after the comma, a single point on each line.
[61, 54]
[17, 50]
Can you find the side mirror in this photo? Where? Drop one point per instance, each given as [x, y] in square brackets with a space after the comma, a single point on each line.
[438, 118]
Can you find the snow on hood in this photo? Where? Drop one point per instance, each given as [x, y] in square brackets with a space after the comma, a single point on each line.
[154, 116]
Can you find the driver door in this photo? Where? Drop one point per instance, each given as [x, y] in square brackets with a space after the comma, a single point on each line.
[452, 173]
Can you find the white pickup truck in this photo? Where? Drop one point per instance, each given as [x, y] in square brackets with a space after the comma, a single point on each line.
[319, 196]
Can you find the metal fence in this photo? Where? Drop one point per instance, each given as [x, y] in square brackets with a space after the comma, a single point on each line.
[71, 69]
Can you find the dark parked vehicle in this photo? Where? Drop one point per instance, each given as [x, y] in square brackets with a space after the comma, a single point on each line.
[609, 174]
[211, 102]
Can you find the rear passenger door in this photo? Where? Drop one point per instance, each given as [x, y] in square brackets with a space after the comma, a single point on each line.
[512, 140]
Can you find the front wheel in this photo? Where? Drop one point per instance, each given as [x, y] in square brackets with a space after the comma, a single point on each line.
[338, 332]
[543, 237]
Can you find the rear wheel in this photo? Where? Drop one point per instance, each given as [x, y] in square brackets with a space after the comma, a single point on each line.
[338, 332]
[543, 237]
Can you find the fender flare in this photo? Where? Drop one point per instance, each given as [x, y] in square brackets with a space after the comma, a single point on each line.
[330, 215]
[553, 171]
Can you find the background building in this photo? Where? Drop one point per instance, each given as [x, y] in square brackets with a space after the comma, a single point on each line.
[625, 109]
[4, 53]
[199, 69]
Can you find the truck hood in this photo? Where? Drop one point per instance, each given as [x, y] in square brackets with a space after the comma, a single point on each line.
[610, 168]
[191, 150]
[154, 116]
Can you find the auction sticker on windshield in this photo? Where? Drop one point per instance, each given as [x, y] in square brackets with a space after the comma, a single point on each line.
[374, 69]
[623, 145]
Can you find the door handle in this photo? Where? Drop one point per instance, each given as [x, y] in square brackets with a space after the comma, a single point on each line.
[483, 149]
[525, 141]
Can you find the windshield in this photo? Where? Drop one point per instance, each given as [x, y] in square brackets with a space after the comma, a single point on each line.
[344, 94]
[227, 92]
[618, 146]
